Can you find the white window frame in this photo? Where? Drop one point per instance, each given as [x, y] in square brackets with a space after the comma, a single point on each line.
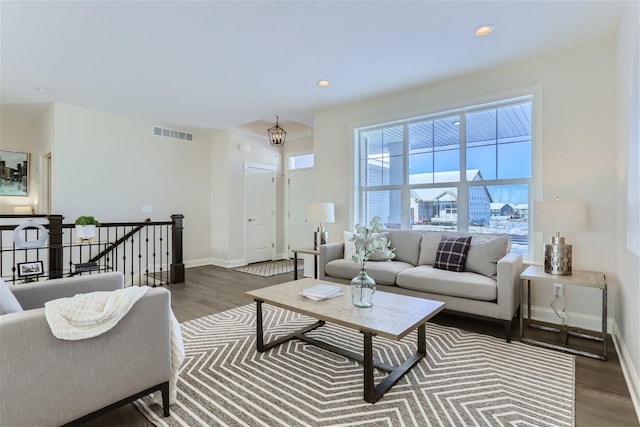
[533, 95]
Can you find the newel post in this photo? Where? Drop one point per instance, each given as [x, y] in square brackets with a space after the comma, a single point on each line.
[177, 263]
[55, 246]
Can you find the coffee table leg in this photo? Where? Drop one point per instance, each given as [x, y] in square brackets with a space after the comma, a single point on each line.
[259, 330]
[422, 339]
[373, 392]
[369, 386]
[261, 346]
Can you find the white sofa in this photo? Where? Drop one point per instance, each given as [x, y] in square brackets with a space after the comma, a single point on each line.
[488, 288]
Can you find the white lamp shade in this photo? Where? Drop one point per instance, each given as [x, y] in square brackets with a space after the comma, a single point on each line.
[321, 212]
[559, 216]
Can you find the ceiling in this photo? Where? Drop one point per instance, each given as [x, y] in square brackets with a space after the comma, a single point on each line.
[228, 64]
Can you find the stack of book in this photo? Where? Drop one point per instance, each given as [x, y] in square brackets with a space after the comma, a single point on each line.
[321, 291]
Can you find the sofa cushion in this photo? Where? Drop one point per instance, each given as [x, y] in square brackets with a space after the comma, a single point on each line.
[429, 247]
[469, 285]
[484, 255]
[406, 244]
[8, 301]
[452, 253]
[383, 272]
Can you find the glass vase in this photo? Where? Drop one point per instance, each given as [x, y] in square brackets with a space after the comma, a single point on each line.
[362, 289]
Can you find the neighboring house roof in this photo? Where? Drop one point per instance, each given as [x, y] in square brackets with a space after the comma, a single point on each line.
[439, 194]
[497, 206]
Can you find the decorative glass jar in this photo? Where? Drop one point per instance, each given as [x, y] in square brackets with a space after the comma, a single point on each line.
[362, 289]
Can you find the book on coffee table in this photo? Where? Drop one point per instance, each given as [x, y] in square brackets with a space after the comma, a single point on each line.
[321, 291]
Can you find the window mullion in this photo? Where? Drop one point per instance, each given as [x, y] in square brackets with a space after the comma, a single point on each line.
[405, 194]
[463, 186]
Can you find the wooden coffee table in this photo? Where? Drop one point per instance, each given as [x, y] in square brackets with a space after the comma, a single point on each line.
[392, 316]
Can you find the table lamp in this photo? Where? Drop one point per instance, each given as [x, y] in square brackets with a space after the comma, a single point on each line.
[558, 216]
[320, 212]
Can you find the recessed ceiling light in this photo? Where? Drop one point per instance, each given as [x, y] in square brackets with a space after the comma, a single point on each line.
[323, 83]
[44, 89]
[485, 30]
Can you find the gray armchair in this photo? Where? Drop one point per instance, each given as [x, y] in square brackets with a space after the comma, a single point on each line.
[45, 381]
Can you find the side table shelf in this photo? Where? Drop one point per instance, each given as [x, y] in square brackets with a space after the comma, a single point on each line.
[592, 279]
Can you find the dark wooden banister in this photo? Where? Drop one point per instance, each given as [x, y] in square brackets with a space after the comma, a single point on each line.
[54, 251]
[120, 240]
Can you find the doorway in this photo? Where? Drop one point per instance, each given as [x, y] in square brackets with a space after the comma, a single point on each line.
[260, 201]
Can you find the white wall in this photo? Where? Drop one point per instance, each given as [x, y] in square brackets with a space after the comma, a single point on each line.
[23, 129]
[628, 263]
[579, 155]
[109, 166]
[220, 199]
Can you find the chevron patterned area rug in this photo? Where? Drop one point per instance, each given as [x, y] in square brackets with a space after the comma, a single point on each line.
[271, 268]
[466, 379]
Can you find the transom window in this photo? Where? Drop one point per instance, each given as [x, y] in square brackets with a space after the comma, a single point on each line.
[466, 170]
[302, 161]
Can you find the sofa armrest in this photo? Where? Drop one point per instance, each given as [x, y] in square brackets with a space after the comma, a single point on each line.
[328, 253]
[48, 382]
[509, 270]
[34, 295]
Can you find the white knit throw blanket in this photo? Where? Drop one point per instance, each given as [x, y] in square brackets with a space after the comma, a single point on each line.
[89, 315]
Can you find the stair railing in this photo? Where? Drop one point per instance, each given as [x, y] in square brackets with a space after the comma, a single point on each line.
[147, 253]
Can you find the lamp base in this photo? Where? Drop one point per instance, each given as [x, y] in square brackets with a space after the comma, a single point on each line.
[557, 257]
[320, 237]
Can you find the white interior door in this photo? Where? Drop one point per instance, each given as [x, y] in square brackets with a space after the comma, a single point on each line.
[260, 197]
[300, 196]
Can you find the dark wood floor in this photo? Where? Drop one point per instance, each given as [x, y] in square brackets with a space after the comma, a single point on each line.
[602, 397]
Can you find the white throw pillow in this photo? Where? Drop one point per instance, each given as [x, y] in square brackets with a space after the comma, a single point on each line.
[349, 246]
[8, 301]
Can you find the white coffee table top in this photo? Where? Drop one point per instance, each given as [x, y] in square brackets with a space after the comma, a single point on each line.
[392, 316]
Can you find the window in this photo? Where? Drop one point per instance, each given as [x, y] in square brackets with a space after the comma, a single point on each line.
[464, 170]
[301, 162]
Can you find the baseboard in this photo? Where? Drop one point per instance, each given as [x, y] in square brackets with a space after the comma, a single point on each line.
[232, 263]
[198, 262]
[580, 320]
[628, 370]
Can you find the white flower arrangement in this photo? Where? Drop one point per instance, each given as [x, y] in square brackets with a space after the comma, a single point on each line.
[370, 241]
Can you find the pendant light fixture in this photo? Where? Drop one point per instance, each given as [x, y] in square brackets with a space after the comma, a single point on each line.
[277, 135]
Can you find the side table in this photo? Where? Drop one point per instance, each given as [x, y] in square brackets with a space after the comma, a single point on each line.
[592, 279]
[307, 251]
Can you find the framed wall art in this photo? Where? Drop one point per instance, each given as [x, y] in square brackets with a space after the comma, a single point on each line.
[14, 173]
[28, 269]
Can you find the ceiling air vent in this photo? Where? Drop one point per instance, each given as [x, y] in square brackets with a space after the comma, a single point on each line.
[172, 133]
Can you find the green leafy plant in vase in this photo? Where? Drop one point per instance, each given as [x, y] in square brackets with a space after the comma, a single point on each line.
[86, 228]
[369, 243]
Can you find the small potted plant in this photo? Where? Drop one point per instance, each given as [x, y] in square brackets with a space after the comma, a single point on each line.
[86, 228]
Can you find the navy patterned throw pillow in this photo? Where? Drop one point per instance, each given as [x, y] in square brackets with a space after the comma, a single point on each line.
[452, 253]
